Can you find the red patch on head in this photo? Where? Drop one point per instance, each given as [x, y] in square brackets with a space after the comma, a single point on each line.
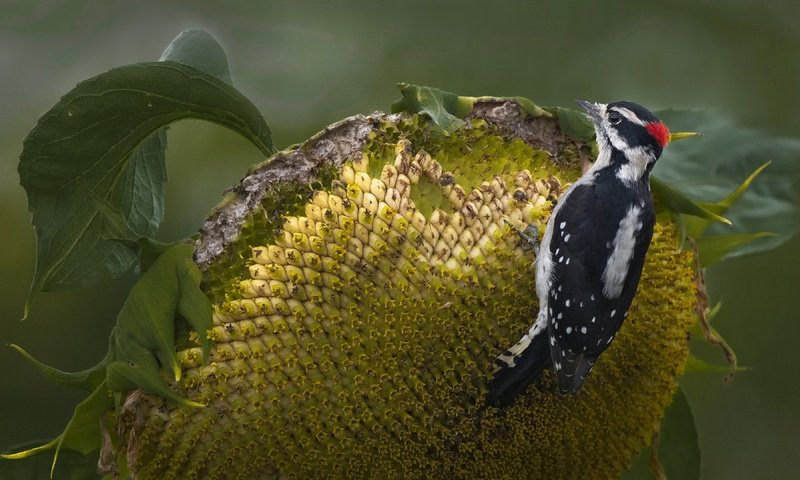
[660, 132]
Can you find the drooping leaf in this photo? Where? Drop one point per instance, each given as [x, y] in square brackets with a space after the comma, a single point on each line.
[84, 143]
[695, 227]
[142, 346]
[526, 104]
[448, 109]
[145, 204]
[711, 336]
[115, 228]
[123, 376]
[715, 248]
[82, 433]
[139, 205]
[711, 167]
[87, 379]
[193, 304]
[530, 107]
[574, 124]
[677, 448]
[713, 312]
[71, 465]
[143, 341]
[199, 49]
[139, 194]
[143, 208]
[147, 317]
[694, 364]
[442, 107]
[675, 201]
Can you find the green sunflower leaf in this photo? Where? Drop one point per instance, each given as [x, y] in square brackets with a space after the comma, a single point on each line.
[677, 448]
[71, 465]
[87, 379]
[694, 364]
[82, 433]
[117, 229]
[574, 124]
[675, 201]
[123, 376]
[447, 109]
[193, 304]
[145, 327]
[444, 108]
[85, 143]
[199, 49]
[529, 106]
[713, 166]
[695, 227]
[715, 248]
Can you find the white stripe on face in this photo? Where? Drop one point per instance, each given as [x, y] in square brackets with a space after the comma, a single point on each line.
[629, 115]
[638, 157]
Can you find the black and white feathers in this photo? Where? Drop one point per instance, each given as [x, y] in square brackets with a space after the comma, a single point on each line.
[591, 257]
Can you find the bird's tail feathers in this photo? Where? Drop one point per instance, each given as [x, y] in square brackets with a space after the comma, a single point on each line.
[510, 357]
[571, 369]
[517, 368]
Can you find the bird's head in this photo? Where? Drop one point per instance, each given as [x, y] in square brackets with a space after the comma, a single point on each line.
[627, 126]
[634, 132]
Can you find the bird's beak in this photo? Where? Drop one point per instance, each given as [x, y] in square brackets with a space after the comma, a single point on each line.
[594, 110]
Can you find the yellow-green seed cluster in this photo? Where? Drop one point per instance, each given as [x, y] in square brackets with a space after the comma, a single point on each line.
[362, 339]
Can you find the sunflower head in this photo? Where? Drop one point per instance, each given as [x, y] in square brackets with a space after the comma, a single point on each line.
[364, 281]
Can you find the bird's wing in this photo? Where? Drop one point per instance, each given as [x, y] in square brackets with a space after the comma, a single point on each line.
[582, 319]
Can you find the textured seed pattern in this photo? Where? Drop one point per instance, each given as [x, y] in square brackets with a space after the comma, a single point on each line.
[360, 343]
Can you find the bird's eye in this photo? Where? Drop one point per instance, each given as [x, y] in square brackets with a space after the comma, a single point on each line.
[614, 118]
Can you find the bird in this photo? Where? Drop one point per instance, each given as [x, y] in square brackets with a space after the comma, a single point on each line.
[591, 255]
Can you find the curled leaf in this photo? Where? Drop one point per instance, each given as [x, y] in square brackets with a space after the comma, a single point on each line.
[675, 452]
[696, 226]
[715, 248]
[124, 376]
[675, 201]
[711, 167]
[447, 109]
[82, 433]
[526, 104]
[678, 447]
[84, 143]
[199, 49]
[145, 332]
[87, 379]
[574, 124]
[442, 107]
[71, 465]
[694, 364]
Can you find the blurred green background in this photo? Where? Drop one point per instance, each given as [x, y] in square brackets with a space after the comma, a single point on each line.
[307, 64]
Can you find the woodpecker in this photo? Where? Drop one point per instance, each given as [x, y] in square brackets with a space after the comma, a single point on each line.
[591, 256]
